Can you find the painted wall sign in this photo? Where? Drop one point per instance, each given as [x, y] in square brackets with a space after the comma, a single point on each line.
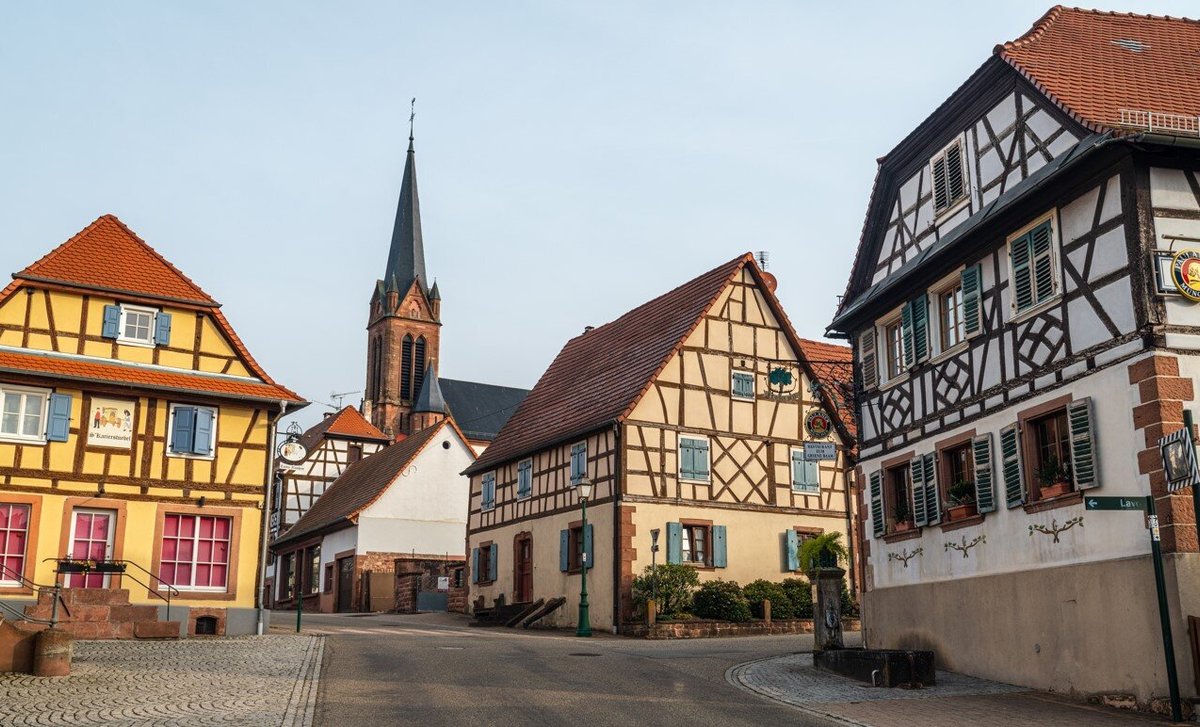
[110, 424]
[1185, 273]
[820, 452]
[1179, 460]
[818, 424]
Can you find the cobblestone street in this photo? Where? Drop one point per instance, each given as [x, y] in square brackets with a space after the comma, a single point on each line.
[253, 680]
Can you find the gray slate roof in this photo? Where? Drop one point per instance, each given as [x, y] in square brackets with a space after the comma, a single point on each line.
[480, 410]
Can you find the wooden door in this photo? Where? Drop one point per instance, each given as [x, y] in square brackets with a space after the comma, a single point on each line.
[345, 585]
[524, 566]
[91, 539]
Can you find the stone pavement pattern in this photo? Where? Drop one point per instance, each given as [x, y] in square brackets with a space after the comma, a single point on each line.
[956, 700]
[250, 680]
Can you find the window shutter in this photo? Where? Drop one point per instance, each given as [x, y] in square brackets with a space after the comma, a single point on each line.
[587, 546]
[1022, 282]
[720, 559]
[1010, 464]
[687, 459]
[183, 429]
[972, 282]
[700, 463]
[791, 546]
[870, 367]
[954, 174]
[564, 550]
[493, 556]
[797, 469]
[933, 509]
[941, 198]
[906, 333]
[1043, 269]
[812, 476]
[877, 523]
[917, 476]
[162, 329]
[203, 443]
[920, 329]
[981, 449]
[475, 565]
[59, 427]
[674, 543]
[112, 321]
[1083, 444]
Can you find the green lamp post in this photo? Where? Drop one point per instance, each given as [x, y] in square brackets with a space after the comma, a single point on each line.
[584, 488]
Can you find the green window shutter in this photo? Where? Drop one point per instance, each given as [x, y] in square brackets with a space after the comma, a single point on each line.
[879, 527]
[920, 328]
[493, 553]
[868, 362]
[674, 543]
[111, 327]
[202, 442]
[791, 550]
[183, 429]
[720, 558]
[933, 508]
[1083, 444]
[972, 284]
[59, 426]
[1022, 280]
[1011, 467]
[917, 478]
[981, 449]
[587, 546]
[1042, 262]
[162, 329]
[906, 334]
[564, 550]
[475, 565]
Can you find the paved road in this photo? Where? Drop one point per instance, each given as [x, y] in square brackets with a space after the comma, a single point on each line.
[433, 669]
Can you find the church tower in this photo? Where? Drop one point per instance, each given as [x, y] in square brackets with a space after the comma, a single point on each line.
[405, 319]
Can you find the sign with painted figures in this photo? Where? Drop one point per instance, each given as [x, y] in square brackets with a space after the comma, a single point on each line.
[1179, 460]
[1114, 503]
[110, 423]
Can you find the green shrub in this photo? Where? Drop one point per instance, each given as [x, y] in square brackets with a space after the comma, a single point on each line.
[822, 550]
[721, 600]
[800, 592]
[675, 585]
[781, 602]
[849, 607]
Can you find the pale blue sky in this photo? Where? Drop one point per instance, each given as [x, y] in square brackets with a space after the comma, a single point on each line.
[574, 159]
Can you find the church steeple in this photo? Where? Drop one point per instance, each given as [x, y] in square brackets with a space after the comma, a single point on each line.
[406, 257]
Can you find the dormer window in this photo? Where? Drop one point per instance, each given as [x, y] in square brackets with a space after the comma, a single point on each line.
[136, 325]
[949, 184]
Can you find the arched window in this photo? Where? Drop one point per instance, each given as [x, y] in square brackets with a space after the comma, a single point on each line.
[406, 361]
[376, 383]
[419, 366]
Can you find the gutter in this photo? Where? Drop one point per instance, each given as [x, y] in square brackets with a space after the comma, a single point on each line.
[618, 476]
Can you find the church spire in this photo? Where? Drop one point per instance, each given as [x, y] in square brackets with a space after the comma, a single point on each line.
[406, 257]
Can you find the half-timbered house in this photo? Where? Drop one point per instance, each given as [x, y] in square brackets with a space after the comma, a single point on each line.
[687, 415]
[135, 430]
[1020, 348]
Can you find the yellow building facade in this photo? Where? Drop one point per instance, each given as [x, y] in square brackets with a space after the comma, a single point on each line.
[135, 434]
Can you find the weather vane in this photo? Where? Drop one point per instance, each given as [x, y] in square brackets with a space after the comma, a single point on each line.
[411, 116]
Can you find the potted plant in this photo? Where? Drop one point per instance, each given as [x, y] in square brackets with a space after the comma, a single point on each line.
[66, 565]
[822, 551]
[1053, 478]
[902, 517]
[962, 500]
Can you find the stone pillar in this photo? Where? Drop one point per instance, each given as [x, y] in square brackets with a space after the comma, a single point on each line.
[827, 608]
[52, 653]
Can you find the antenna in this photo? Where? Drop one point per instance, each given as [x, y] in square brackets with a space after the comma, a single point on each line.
[763, 257]
[337, 398]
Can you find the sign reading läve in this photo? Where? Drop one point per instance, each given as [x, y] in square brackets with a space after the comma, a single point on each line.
[110, 423]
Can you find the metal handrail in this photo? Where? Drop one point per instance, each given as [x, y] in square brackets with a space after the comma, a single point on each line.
[89, 564]
[56, 589]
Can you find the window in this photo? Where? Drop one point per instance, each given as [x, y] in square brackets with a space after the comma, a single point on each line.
[287, 576]
[951, 325]
[195, 552]
[899, 497]
[578, 462]
[524, 479]
[957, 464]
[23, 414]
[793, 538]
[136, 325]
[894, 338]
[949, 186]
[488, 491]
[743, 385]
[14, 533]
[1051, 452]
[328, 578]
[572, 543]
[695, 544]
[484, 563]
[805, 475]
[353, 453]
[693, 458]
[193, 430]
[312, 571]
[1031, 256]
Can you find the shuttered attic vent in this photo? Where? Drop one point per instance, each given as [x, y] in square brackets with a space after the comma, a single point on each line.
[948, 183]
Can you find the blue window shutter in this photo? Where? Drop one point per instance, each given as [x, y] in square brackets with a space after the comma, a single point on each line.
[674, 543]
[791, 540]
[720, 560]
[493, 557]
[59, 427]
[203, 441]
[972, 282]
[587, 546]
[162, 329]
[812, 476]
[797, 468]
[687, 459]
[701, 461]
[564, 550]
[475, 565]
[183, 429]
[112, 321]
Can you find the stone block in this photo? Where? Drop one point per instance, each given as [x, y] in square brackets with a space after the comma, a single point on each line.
[1157, 412]
[881, 667]
[156, 630]
[1153, 366]
[1166, 387]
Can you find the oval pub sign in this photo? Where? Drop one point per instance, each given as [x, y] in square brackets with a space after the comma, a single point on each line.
[1185, 273]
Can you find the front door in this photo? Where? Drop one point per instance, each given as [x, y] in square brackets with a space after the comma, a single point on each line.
[91, 539]
[524, 560]
[345, 585]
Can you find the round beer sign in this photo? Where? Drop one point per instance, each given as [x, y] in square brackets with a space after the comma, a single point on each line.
[292, 451]
[1185, 273]
[818, 424]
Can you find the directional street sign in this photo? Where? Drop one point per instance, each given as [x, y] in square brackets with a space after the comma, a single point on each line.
[1114, 503]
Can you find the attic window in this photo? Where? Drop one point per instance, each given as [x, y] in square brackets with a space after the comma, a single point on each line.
[1136, 46]
[948, 184]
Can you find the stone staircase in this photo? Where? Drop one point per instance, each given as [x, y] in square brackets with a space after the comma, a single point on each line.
[104, 613]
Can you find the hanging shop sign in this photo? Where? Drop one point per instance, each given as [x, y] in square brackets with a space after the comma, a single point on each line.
[1185, 273]
[783, 380]
[818, 424]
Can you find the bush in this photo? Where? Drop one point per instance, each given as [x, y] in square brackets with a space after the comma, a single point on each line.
[721, 600]
[800, 592]
[781, 602]
[849, 607]
[675, 586]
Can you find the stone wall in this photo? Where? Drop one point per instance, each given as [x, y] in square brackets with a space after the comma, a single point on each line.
[702, 629]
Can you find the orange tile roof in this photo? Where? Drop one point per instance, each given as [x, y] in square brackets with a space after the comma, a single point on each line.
[84, 369]
[107, 255]
[1093, 63]
[347, 422]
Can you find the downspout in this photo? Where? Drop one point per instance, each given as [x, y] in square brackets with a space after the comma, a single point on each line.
[260, 597]
[618, 476]
[847, 470]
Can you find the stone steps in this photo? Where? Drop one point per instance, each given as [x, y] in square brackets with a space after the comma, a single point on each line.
[104, 613]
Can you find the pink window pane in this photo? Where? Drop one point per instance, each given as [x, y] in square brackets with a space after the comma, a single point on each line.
[222, 529]
[97, 550]
[16, 544]
[185, 551]
[202, 574]
[79, 549]
[220, 553]
[99, 528]
[218, 576]
[206, 550]
[167, 573]
[14, 565]
[187, 527]
[206, 527]
[83, 524]
[171, 525]
[183, 574]
[19, 518]
[170, 546]
[4, 510]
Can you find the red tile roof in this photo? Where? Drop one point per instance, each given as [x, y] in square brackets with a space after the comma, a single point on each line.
[136, 376]
[833, 367]
[107, 255]
[1093, 63]
[347, 422]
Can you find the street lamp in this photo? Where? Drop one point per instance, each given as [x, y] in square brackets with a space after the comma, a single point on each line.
[584, 488]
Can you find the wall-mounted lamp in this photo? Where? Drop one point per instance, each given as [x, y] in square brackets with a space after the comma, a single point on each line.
[200, 502]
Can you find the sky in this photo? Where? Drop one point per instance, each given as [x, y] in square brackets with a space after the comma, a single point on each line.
[573, 159]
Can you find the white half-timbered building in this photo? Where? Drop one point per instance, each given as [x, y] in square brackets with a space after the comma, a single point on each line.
[1018, 351]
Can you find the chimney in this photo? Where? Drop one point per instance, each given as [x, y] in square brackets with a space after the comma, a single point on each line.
[588, 329]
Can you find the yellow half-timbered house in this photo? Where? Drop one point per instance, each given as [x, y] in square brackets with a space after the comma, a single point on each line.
[688, 416]
[135, 436]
